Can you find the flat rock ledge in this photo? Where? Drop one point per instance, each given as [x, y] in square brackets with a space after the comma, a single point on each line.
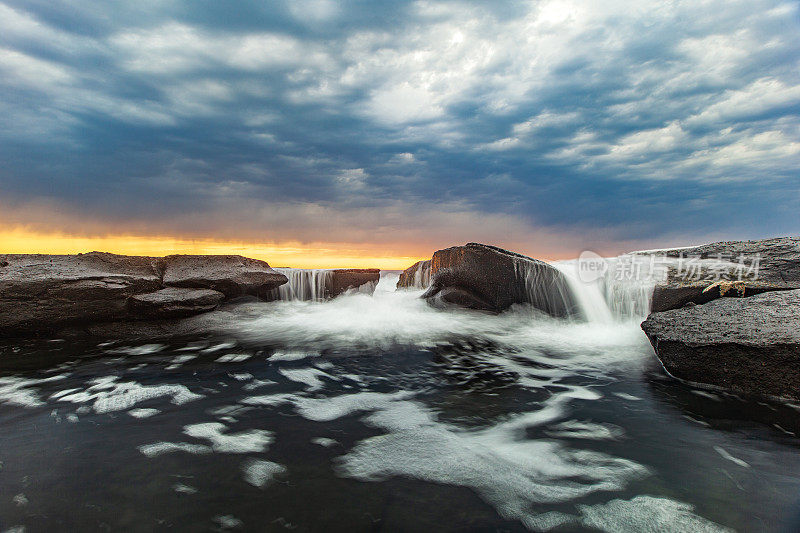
[173, 302]
[735, 323]
[487, 278]
[232, 275]
[41, 294]
[746, 345]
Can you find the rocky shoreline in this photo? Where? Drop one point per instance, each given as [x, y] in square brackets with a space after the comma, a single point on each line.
[103, 292]
[735, 328]
[727, 314]
[733, 324]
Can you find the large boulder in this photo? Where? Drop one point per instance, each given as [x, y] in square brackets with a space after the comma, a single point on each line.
[174, 302]
[41, 292]
[417, 276]
[232, 275]
[749, 345]
[704, 273]
[479, 276]
[343, 279]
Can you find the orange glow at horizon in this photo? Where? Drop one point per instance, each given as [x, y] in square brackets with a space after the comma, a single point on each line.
[23, 241]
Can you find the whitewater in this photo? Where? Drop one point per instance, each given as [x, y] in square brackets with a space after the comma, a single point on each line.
[378, 411]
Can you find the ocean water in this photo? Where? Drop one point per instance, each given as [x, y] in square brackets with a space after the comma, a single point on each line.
[379, 413]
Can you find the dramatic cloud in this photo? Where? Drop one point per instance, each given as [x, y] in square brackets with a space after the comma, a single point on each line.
[548, 125]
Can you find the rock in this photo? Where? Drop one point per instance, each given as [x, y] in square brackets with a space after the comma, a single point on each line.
[478, 276]
[232, 275]
[778, 268]
[174, 302]
[342, 279]
[461, 298]
[416, 276]
[46, 293]
[42, 292]
[749, 345]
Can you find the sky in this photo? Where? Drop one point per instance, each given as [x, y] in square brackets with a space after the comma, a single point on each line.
[371, 133]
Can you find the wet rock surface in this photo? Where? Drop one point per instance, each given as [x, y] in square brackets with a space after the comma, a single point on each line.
[729, 269]
[478, 276]
[344, 279]
[41, 291]
[734, 321]
[174, 302]
[749, 345]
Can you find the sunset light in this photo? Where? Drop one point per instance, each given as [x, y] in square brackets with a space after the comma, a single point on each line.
[297, 255]
[411, 265]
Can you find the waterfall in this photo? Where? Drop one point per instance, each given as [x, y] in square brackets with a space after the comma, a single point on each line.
[628, 296]
[422, 277]
[548, 291]
[622, 291]
[417, 276]
[591, 303]
[388, 281]
[303, 284]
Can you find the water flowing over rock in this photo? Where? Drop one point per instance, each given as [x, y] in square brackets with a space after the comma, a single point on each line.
[232, 275]
[611, 296]
[43, 293]
[361, 279]
[321, 284]
[306, 284]
[734, 268]
[749, 345]
[417, 276]
[478, 276]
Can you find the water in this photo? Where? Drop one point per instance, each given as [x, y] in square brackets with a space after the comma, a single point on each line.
[379, 413]
[302, 284]
[310, 284]
[621, 293]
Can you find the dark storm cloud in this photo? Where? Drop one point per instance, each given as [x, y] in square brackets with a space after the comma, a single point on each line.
[651, 120]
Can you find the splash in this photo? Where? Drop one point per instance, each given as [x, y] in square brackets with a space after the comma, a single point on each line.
[388, 318]
[622, 293]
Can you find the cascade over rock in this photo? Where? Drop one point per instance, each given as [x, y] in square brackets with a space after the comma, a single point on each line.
[416, 276]
[479, 276]
[322, 284]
